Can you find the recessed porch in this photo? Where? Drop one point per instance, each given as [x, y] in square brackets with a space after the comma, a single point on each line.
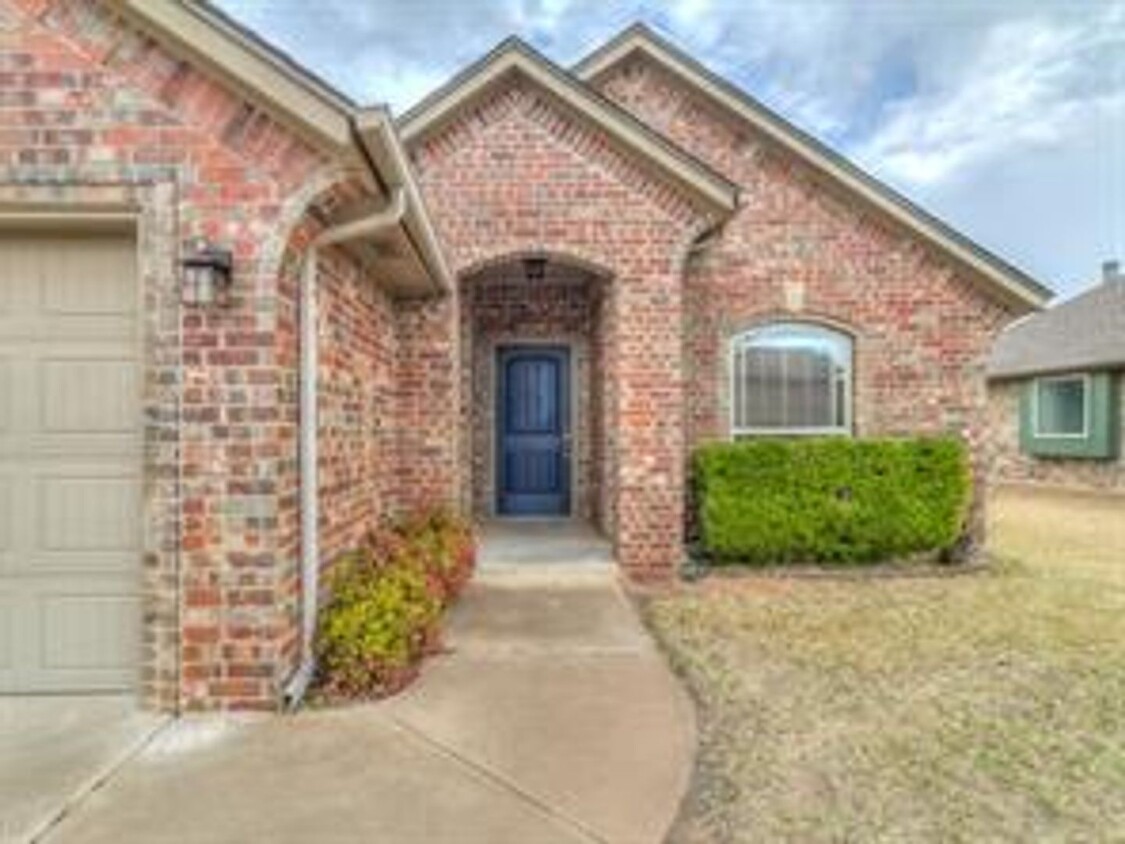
[535, 427]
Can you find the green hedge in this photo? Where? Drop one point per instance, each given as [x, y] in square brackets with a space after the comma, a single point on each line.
[830, 500]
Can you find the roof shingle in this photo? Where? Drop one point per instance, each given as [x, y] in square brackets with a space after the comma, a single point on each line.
[1086, 332]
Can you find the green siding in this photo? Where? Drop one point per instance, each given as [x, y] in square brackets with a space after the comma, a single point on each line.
[1101, 441]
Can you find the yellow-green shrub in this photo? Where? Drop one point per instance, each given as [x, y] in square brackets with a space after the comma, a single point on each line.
[384, 604]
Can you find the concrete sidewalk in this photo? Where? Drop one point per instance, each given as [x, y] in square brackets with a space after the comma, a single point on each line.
[56, 748]
[553, 719]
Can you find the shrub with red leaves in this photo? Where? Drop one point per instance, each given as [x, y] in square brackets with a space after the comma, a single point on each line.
[385, 604]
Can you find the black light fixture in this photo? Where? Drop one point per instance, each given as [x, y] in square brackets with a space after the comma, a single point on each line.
[535, 268]
[206, 274]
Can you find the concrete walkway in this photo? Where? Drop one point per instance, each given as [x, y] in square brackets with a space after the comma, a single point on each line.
[541, 543]
[553, 719]
[55, 748]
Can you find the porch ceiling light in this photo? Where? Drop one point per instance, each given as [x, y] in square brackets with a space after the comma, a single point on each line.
[535, 268]
[206, 275]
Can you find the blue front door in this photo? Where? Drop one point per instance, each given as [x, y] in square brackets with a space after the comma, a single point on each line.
[533, 437]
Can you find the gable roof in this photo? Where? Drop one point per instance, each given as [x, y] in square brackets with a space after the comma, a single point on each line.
[324, 117]
[1086, 332]
[306, 103]
[514, 56]
[1010, 281]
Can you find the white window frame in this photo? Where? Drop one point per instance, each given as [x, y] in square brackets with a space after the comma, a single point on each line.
[735, 347]
[1084, 379]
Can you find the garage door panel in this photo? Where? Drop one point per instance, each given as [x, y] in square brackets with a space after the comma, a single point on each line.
[88, 632]
[88, 396]
[68, 333]
[88, 514]
[70, 454]
[5, 513]
[5, 390]
[7, 631]
[87, 281]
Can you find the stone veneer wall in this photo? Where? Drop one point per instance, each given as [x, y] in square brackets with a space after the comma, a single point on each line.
[799, 249]
[1007, 464]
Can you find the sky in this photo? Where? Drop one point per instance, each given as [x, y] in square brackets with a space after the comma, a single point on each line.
[1006, 118]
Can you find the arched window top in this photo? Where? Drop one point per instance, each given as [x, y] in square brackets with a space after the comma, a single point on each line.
[791, 378]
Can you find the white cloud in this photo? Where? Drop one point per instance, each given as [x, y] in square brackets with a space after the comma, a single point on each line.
[1033, 84]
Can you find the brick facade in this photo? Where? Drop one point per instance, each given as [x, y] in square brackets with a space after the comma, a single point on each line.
[1009, 465]
[515, 175]
[799, 249]
[96, 114]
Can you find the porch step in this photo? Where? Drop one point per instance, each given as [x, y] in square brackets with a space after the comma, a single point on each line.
[542, 543]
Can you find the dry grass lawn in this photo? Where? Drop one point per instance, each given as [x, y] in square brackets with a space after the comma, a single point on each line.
[978, 707]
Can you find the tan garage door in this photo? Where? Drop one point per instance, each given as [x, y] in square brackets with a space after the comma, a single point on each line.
[70, 462]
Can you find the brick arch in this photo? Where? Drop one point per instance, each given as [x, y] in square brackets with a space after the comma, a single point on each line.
[299, 216]
[768, 317]
[591, 265]
[499, 307]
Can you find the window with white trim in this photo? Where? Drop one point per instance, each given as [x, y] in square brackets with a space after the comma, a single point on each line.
[791, 378]
[1061, 406]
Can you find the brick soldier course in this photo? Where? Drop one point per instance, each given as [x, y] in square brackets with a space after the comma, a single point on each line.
[669, 220]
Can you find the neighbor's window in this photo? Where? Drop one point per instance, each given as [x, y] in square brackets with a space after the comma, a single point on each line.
[791, 378]
[1061, 406]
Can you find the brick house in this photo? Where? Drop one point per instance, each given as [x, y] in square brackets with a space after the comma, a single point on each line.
[532, 294]
[1056, 390]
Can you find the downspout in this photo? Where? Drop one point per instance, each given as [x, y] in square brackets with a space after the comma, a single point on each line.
[390, 215]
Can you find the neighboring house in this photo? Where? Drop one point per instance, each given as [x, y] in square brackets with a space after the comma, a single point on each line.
[1055, 392]
[534, 294]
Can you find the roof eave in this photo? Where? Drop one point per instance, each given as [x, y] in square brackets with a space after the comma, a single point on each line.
[376, 131]
[1013, 284]
[1055, 368]
[319, 114]
[324, 117]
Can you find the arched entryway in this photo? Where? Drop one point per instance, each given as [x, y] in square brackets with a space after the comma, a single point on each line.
[533, 335]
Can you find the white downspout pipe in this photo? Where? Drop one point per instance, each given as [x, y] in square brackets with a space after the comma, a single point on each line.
[390, 215]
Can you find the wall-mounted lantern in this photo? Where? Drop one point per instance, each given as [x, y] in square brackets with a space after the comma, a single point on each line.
[206, 275]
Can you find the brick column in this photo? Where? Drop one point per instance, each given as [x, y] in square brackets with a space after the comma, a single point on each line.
[648, 376]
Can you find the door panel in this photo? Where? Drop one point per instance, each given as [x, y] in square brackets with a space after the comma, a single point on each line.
[70, 463]
[533, 435]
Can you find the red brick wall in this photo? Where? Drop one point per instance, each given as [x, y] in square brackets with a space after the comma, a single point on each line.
[357, 455]
[427, 407]
[94, 111]
[800, 249]
[514, 176]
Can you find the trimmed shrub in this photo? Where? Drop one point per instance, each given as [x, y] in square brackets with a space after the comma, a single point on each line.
[384, 606]
[830, 500]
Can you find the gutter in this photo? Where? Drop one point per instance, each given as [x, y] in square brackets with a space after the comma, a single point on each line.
[384, 153]
[390, 215]
[373, 132]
